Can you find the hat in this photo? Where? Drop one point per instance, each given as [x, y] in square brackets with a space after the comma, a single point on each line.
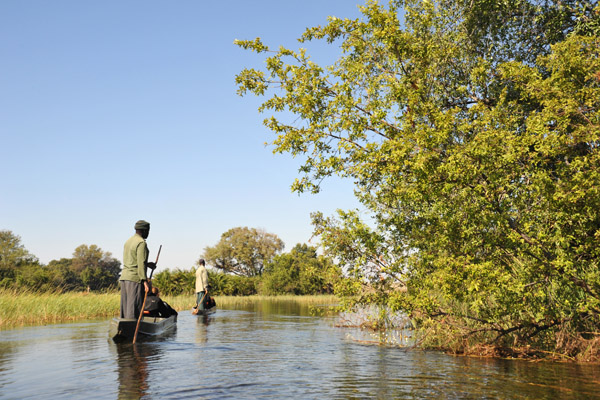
[141, 224]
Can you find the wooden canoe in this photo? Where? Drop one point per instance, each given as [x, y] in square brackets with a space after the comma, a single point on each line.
[208, 311]
[122, 329]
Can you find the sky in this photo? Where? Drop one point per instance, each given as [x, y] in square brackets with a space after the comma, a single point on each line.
[115, 111]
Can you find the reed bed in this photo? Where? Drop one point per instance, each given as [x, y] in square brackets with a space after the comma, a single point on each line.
[312, 300]
[186, 302]
[31, 308]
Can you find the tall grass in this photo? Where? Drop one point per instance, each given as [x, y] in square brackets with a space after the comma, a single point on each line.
[31, 308]
[187, 301]
[310, 300]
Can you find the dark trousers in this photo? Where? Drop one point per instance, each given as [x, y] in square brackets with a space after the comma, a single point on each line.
[201, 300]
[132, 299]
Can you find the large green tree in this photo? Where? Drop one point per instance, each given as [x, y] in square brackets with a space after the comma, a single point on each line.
[12, 251]
[96, 268]
[13, 257]
[471, 131]
[243, 251]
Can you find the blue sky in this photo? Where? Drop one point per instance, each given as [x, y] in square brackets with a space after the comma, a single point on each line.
[115, 111]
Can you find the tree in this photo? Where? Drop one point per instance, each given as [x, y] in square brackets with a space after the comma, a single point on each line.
[13, 256]
[96, 268]
[300, 272]
[243, 251]
[12, 252]
[63, 276]
[471, 131]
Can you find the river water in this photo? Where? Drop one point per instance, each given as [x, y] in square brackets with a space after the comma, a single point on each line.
[270, 350]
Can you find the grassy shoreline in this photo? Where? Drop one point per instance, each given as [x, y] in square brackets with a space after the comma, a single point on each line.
[30, 308]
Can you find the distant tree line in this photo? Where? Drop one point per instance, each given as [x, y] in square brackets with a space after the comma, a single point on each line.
[249, 261]
[90, 268]
[245, 261]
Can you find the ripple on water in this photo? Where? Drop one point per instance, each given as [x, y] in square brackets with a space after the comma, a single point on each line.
[254, 354]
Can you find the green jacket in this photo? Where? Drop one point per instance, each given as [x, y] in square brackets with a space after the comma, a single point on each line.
[135, 256]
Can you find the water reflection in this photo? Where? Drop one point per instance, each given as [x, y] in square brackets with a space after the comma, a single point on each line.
[271, 350]
[201, 332]
[136, 364]
[275, 307]
[133, 368]
[8, 352]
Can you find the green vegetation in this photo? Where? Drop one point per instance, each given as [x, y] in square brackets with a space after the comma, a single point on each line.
[89, 269]
[243, 251]
[246, 253]
[86, 286]
[32, 308]
[471, 130]
[233, 301]
[38, 308]
[300, 272]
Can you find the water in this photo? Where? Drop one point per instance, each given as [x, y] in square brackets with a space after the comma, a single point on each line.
[265, 351]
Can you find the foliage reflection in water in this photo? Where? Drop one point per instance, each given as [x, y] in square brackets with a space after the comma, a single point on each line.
[263, 350]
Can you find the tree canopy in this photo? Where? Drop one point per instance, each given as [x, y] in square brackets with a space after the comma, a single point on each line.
[13, 257]
[90, 268]
[12, 251]
[301, 272]
[243, 251]
[471, 131]
[97, 268]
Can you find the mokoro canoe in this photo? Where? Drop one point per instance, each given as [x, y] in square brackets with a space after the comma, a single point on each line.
[204, 312]
[124, 329]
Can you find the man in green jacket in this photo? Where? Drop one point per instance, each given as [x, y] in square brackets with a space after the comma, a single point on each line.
[133, 276]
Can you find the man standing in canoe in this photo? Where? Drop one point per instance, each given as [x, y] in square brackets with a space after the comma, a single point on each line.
[133, 276]
[201, 285]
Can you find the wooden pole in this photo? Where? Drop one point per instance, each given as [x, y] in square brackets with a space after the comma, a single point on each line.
[137, 327]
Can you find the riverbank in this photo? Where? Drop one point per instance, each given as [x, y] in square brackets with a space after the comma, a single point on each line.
[30, 308]
[311, 358]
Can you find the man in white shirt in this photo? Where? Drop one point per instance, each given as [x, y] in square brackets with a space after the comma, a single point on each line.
[201, 285]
